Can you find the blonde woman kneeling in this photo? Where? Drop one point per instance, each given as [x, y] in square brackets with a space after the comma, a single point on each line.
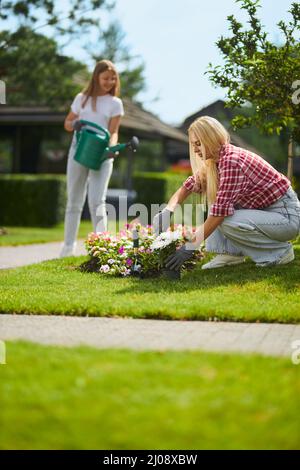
[253, 210]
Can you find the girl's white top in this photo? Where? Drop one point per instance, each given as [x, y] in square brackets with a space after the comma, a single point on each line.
[107, 106]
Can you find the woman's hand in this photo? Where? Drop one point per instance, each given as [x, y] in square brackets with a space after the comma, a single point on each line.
[177, 259]
[161, 221]
[68, 124]
[76, 125]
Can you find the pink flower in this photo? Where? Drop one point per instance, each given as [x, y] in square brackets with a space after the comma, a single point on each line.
[121, 250]
[93, 237]
[124, 271]
[129, 262]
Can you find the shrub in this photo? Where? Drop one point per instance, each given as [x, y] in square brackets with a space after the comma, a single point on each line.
[32, 200]
[157, 188]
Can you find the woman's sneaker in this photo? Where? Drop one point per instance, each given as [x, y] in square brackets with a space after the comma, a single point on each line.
[67, 250]
[287, 258]
[224, 260]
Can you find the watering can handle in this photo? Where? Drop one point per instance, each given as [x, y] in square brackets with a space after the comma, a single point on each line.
[102, 129]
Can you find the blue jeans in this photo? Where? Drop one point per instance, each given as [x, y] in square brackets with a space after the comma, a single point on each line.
[261, 234]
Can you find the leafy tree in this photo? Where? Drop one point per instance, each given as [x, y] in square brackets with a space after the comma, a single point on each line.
[36, 54]
[75, 19]
[262, 74]
[35, 72]
[112, 46]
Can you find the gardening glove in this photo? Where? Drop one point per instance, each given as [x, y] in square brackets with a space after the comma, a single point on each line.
[77, 125]
[161, 222]
[177, 259]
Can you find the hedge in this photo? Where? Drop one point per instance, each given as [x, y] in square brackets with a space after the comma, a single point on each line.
[157, 188]
[40, 200]
[32, 200]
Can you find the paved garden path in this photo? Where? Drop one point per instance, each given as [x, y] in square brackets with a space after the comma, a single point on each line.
[155, 335]
[268, 339]
[14, 256]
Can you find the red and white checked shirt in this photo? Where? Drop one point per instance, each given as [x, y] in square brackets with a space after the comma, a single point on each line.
[246, 180]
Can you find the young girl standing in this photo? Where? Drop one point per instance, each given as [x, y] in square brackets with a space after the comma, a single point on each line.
[98, 103]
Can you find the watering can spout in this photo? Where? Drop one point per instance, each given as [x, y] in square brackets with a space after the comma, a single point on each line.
[132, 145]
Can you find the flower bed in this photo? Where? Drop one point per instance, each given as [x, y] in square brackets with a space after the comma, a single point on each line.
[134, 251]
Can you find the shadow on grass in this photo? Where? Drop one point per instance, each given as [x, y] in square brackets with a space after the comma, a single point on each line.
[286, 277]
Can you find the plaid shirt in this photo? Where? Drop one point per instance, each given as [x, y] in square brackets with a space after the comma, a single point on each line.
[245, 181]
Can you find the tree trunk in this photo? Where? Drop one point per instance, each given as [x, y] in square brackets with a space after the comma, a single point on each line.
[290, 160]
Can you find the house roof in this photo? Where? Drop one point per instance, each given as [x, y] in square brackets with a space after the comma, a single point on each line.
[213, 110]
[225, 115]
[136, 118]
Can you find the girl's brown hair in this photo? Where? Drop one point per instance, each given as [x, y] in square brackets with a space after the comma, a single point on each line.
[93, 88]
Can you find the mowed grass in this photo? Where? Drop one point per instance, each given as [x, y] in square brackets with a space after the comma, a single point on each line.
[82, 398]
[237, 293]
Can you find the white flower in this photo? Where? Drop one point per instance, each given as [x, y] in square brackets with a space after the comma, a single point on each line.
[127, 272]
[165, 239]
[111, 261]
[157, 245]
[104, 268]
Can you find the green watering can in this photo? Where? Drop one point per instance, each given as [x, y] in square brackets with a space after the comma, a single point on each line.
[92, 147]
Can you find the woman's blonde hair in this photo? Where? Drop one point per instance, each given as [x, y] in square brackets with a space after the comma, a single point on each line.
[212, 135]
[93, 88]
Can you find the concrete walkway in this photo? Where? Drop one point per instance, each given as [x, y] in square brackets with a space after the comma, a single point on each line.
[267, 339]
[14, 256]
[155, 335]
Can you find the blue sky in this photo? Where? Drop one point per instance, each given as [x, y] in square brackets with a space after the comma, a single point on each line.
[176, 39]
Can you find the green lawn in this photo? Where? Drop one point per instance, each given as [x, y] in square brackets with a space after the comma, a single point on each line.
[82, 398]
[237, 293]
[29, 235]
